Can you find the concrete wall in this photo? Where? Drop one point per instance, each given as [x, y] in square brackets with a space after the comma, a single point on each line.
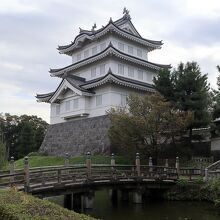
[77, 137]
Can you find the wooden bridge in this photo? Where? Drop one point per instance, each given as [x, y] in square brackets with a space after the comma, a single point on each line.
[53, 179]
[79, 182]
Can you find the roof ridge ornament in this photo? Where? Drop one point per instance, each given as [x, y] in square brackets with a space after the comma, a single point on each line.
[93, 27]
[110, 20]
[126, 13]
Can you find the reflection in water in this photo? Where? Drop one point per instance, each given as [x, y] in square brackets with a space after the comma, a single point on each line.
[150, 210]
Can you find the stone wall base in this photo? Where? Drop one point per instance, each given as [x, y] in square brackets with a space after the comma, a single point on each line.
[78, 137]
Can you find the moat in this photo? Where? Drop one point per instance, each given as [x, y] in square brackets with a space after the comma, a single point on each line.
[105, 209]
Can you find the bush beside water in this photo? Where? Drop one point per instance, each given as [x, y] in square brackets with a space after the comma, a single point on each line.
[196, 190]
[20, 206]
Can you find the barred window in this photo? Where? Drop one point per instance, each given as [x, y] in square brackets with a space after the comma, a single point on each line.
[120, 69]
[131, 71]
[98, 100]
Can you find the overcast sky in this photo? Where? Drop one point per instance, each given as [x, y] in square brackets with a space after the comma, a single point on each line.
[31, 30]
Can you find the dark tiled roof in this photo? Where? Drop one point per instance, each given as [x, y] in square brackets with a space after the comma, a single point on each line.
[121, 78]
[110, 46]
[44, 95]
[116, 23]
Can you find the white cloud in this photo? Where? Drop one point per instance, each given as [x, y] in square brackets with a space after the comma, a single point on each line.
[31, 30]
[16, 6]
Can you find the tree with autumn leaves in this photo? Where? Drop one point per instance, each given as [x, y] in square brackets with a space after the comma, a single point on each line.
[146, 124]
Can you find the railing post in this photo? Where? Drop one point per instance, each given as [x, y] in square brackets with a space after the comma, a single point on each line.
[137, 163]
[59, 179]
[112, 161]
[26, 174]
[206, 175]
[12, 171]
[150, 163]
[66, 162]
[177, 165]
[166, 163]
[88, 164]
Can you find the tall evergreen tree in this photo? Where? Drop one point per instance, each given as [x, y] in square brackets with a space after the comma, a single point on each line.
[188, 88]
[216, 98]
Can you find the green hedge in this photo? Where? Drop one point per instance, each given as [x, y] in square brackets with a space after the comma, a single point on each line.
[20, 206]
[195, 191]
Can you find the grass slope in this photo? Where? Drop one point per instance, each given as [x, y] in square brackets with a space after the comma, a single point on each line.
[20, 206]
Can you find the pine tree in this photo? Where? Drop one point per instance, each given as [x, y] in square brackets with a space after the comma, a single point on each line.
[188, 88]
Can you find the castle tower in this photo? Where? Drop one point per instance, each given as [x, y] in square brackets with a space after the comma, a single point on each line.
[107, 65]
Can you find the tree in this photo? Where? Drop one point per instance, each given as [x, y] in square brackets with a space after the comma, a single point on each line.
[188, 89]
[23, 134]
[3, 150]
[146, 124]
[215, 127]
[216, 98]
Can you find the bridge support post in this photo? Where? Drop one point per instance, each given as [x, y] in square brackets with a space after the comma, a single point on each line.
[206, 178]
[124, 195]
[68, 201]
[26, 174]
[12, 171]
[137, 163]
[150, 164]
[113, 195]
[177, 165]
[88, 200]
[88, 164]
[137, 197]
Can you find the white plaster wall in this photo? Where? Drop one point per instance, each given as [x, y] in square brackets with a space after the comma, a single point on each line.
[68, 113]
[86, 71]
[89, 47]
[111, 98]
[115, 40]
[147, 74]
[113, 64]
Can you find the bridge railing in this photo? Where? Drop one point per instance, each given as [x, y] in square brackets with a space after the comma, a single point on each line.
[50, 176]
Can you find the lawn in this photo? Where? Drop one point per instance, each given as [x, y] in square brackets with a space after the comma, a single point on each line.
[37, 161]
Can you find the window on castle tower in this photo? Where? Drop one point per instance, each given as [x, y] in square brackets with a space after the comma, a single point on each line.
[94, 50]
[139, 52]
[67, 106]
[140, 74]
[78, 56]
[98, 100]
[123, 100]
[102, 46]
[102, 69]
[75, 103]
[120, 46]
[93, 72]
[57, 109]
[149, 77]
[131, 71]
[130, 49]
[86, 54]
[120, 69]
